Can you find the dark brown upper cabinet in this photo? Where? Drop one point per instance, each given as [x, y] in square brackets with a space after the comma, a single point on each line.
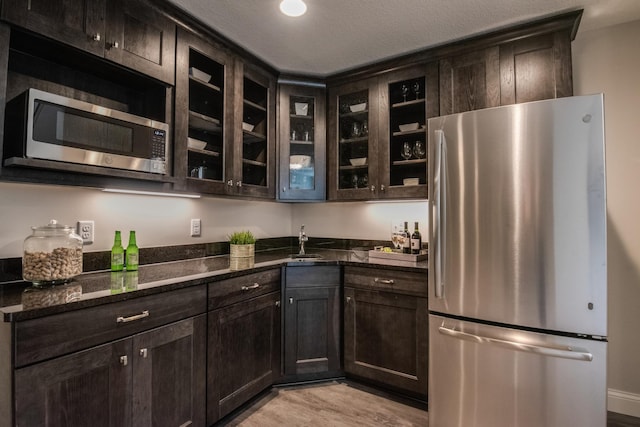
[203, 115]
[132, 33]
[225, 122]
[377, 135]
[527, 63]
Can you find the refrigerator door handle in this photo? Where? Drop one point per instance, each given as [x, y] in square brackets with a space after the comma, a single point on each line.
[439, 216]
[564, 352]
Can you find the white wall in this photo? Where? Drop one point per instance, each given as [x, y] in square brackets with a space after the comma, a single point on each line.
[608, 61]
[158, 221]
[163, 221]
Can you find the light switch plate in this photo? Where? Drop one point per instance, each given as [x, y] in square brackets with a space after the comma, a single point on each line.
[86, 231]
[196, 226]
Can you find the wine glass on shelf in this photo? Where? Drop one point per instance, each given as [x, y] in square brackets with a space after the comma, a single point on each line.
[405, 90]
[416, 89]
[418, 150]
[406, 151]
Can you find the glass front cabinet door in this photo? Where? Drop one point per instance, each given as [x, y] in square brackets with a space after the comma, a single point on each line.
[202, 124]
[254, 148]
[408, 98]
[302, 143]
[353, 136]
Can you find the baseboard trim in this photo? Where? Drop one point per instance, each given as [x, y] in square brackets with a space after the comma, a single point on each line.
[623, 402]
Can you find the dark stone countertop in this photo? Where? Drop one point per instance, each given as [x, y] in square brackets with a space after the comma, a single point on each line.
[21, 301]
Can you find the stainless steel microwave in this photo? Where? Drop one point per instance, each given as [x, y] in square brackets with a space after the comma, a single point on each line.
[43, 125]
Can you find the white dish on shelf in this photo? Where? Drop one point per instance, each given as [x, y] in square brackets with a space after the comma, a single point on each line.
[411, 181]
[247, 126]
[302, 108]
[356, 108]
[299, 161]
[360, 161]
[409, 126]
[199, 74]
[196, 143]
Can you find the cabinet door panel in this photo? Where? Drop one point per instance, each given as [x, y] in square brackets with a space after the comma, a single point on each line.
[88, 388]
[470, 81]
[244, 353]
[79, 23]
[312, 330]
[386, 338]
[169, 371]
[145, 37]
[536, 68]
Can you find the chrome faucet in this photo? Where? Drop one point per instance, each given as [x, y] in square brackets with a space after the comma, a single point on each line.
[302, 237]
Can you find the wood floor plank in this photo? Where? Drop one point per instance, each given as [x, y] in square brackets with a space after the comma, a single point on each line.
[344, 404]
[340, 404]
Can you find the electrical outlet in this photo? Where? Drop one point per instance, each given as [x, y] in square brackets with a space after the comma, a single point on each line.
[196, 227]
[85, 230]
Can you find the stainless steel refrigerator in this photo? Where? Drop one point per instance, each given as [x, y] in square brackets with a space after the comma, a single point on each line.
[517, 268]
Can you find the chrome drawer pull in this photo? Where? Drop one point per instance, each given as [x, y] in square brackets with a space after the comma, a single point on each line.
[384, 281]
[121, 319]
[124, 361]
[248, 288]
[143, 353]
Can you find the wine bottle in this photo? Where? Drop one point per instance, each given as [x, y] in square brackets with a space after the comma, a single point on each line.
[117, 253]
[406, 244]
[132, 252]
[416, 240]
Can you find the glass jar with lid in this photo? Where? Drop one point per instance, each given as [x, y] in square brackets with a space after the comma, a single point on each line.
[52, 255]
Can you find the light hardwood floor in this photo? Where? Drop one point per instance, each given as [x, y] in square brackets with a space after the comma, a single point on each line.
[343, 404]
[335, 404]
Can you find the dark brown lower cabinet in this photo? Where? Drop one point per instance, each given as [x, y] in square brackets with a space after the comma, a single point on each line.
[312, 320]
[244, 351]
[386, 339]
[153, 378]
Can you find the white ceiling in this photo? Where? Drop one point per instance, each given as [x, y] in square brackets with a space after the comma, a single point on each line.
[337, 35]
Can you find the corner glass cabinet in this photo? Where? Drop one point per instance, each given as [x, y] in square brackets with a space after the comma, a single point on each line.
[302, 143]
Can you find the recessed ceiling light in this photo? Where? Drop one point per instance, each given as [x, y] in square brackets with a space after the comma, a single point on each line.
[293, 7]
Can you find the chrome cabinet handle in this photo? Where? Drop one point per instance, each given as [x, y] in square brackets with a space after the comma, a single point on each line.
[230, 183]
[143, 353]
[277, 303]
[382, 187]
[290, 300]
[564, 352]
[373, 188]
[348, 300]
[96, 37]
[384, 281]
[122, 319]
[124, 360]
[248, 288]
[113, 45]
[239, 183]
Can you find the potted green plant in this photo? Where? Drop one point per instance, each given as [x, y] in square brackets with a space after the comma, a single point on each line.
[242, 246]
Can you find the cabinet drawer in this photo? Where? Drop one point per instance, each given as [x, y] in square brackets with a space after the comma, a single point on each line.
[413, 283]
[55, 335]
[230, 291]
[313, 276]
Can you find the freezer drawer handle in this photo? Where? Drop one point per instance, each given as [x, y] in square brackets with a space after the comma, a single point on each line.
[564, 352]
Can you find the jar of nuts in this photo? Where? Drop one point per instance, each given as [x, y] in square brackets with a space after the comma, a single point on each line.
[52, 255]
